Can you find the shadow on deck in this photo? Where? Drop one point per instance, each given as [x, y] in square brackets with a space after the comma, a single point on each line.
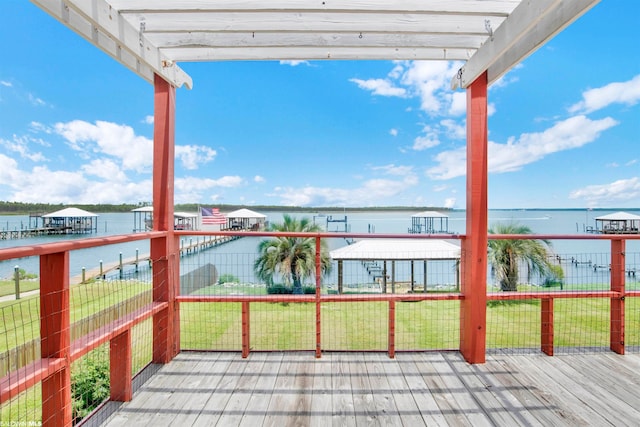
[434, 388]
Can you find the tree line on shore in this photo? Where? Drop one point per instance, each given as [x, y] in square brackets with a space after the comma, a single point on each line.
[22, 208]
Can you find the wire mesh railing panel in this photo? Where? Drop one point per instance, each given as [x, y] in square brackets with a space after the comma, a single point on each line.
[211, 326]
[581, 325]
[632, 324]
[352, 326]
[283, 326]
[20, 347]
[581, 272]
[427, 325]
[214, 272]
[513, 324]
[141, 345]
[90, 382]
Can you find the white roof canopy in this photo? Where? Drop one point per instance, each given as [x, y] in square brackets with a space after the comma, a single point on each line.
[70, 213]
[619, 216]
[397, 249]
[152, 36]
[245, 213]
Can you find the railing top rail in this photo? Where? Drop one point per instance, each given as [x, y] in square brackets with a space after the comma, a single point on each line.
[325, 235]
[437, 236]
[70, 245]
[564, 236]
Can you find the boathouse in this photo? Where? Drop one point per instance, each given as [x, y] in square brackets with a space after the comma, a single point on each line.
[371, 252]
[143, 220]
[618, 223]
[246, 219]
[70, 221]
[429, 222]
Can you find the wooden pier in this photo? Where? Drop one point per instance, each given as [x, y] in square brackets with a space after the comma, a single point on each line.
[33, 232]
[185, 249]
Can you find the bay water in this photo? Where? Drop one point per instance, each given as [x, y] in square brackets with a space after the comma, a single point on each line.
[555, 221]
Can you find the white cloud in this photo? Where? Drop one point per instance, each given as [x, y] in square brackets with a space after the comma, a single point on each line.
[294, 63]
[42, 185]
[450, 202]
[258, 179]
[428, 140]
[393, 132]
[605, 194]
[374, 192]
[120, 141]
[191, 156]
[394, 170]
[9, 173]
[453, 129]
[458, 105]
[105, 169]
[430, 80]
[148, 120]
[6, 83]
[627, 93]
[38, 102]
[190, 189]
[528, 148]
[380, 87]
[21, 146]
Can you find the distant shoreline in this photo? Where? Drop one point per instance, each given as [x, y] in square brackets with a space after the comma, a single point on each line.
[16, 208]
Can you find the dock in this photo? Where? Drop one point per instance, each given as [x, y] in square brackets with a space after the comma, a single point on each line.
[189, 248]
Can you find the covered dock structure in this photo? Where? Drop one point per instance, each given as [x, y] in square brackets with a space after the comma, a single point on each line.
[70, 221]
[618, 223]
[391, 251]
[429, 222]
[490, 37]
[143, 220]
[246, 219]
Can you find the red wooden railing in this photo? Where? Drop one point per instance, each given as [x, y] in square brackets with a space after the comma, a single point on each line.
[52, 370]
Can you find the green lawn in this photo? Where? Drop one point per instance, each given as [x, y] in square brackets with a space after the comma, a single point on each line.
[8, 287]
[426, 325]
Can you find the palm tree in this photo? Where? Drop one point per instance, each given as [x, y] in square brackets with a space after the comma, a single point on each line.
[293, 258]
[506, 255]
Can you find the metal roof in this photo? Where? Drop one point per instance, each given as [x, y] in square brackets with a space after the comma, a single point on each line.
[70, 213]
[397, 249]
[429, 214]
[154, 36]
[245, 213]
[619, 216]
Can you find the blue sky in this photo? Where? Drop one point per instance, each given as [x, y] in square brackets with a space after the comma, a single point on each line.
[564, 129]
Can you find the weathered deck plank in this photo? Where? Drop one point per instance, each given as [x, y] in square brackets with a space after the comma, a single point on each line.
[354, 389]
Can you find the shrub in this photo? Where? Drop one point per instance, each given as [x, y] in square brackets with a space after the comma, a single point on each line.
[228, 278]
[89, 384]
[279, 289]
[308, 289]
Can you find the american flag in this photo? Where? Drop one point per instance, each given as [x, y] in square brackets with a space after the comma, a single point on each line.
[212, 216]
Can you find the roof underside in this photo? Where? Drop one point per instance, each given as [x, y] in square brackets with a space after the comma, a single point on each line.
[397, 249]
[152, 36]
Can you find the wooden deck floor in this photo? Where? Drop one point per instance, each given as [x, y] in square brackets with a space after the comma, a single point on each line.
[365, 389]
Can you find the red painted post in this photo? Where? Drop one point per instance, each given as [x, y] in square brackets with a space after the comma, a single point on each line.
[392, 329]
[546, 326]
[617, 304]
[120, 367]
[246, 330]
[55, 337]
[318, 305]
[164, 251]
[473, 307]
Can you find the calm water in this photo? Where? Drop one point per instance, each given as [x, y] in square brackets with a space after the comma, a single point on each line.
[540, 221]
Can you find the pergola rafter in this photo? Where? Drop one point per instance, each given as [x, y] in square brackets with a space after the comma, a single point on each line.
[152, 37]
